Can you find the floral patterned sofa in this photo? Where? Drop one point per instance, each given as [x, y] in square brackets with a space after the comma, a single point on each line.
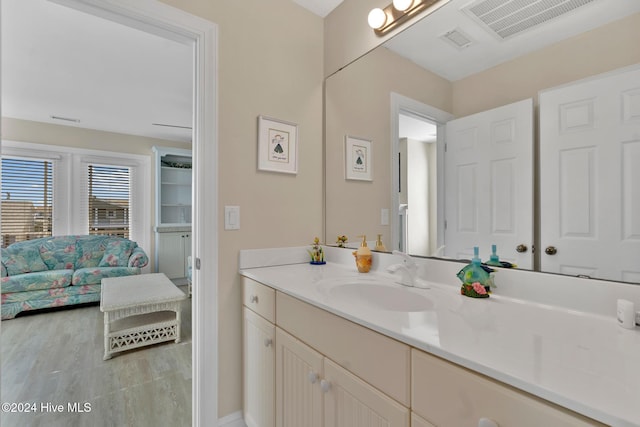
[63, 270]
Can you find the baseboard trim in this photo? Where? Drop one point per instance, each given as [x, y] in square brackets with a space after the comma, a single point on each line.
[232, 420]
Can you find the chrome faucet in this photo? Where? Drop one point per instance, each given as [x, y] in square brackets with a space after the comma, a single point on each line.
[408, 269]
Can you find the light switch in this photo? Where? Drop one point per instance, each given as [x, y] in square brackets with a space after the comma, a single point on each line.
[384, 216]
[232, 217]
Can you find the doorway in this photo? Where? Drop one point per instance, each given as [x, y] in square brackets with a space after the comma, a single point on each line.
[417, 185]
[174, 24]
[420, 128]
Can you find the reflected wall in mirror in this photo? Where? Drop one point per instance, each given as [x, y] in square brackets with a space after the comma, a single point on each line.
[358, 101]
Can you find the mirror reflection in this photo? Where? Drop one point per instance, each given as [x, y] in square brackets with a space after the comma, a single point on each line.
[507, 178]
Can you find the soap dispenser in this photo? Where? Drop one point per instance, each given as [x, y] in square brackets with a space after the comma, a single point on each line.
[494, 260]
[379, 245]
[363, 256]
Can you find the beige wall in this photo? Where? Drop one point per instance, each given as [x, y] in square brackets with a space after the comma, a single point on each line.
[358, 101]
[270, 63]
[609, 47]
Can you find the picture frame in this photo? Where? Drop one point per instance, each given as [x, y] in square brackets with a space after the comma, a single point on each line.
[358, 159]
[277, 145]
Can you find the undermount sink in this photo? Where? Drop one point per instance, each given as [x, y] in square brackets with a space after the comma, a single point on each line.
[381, 296]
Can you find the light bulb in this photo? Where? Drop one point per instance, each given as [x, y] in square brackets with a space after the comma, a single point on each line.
[377, 18]
[402, 5]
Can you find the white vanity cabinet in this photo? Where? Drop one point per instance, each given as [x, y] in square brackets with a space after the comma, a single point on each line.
[298, 376]
[331, 372]
[314, 391]
[417, 421]
[258, 354]
[448, 395]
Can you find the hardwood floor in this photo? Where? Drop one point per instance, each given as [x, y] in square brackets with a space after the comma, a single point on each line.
[56, 358]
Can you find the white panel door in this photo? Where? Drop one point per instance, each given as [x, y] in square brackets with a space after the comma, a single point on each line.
[350, 402]
[259, 371]
[298, 374]
[489, 183]
[590, 178]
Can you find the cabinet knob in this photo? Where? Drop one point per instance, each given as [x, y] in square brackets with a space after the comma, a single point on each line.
[551, 250]
[325, 386]
[267, 342]
[486, 422]
[253, 299]
[521, 248]
[313, 377]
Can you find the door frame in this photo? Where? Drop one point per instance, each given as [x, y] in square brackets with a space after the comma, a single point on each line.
[400, 103]
[172, 23]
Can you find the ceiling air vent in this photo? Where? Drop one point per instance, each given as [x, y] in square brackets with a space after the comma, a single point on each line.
[507, 18]
[457, 38]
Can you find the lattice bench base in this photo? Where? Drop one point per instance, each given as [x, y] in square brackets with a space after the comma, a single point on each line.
[138, 331]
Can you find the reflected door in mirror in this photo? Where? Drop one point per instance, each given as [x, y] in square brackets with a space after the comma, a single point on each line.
[489, 183]
[590, 178]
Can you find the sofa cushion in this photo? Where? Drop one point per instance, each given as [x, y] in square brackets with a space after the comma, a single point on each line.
[90, 250]
[36, 281]
[93, 276]
[25, 260]
[117, 253]
[59, 253]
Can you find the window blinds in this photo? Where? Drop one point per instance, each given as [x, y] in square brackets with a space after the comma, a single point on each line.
[27, 199]
[109, 203]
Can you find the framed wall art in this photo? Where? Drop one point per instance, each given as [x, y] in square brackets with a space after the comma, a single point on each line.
[358, 161]
[277, 145]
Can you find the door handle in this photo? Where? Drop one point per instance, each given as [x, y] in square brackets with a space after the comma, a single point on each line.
[551, 250]
[313, 377]
[325, 386]
[522, 248]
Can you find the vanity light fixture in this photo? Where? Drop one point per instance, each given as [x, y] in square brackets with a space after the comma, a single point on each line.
[384, 20]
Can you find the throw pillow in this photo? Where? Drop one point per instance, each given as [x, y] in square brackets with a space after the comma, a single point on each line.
[26, 260]
[117, 253]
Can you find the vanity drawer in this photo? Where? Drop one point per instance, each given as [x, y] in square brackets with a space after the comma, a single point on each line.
[259, 298]
[381, 361]
[448, 395]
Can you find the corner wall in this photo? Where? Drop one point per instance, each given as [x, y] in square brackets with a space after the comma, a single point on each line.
[270, 58]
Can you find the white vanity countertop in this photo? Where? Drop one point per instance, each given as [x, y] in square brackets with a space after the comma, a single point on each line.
[581, 361]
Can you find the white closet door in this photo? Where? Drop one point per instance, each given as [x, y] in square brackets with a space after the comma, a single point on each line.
[489, 183]
[590, 178]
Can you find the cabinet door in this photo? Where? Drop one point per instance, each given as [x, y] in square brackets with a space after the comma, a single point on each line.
[416, 421]
[171, 260]
[298, 372]
[350, 402]
[259, 371]
[186, 244]
[449, 395]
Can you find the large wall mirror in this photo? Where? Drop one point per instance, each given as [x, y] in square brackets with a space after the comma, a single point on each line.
[525, 79]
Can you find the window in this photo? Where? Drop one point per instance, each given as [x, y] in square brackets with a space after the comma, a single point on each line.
[109, 201]
[74, 191]
[27, 199]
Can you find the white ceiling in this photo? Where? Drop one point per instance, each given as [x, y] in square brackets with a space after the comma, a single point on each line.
[60, 62]
[320, 7]
[422, 44]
